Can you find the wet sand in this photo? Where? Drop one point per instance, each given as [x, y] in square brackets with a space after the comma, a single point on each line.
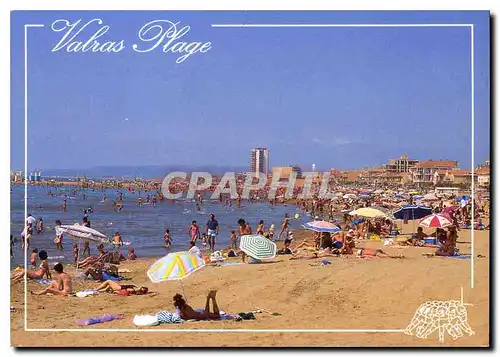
[351, 293]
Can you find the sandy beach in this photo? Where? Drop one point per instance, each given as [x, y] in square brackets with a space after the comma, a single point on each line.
[351, 293]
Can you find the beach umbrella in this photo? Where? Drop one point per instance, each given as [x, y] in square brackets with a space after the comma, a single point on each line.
[436, 221]
[174, 266]
[460, 198]
[412, 212]
[364, 195]
[413, 192]
[368, 212]
[418, 197]
[82, 232]
[257, 246]
[349, 195]
[322, 226]
[378, 192]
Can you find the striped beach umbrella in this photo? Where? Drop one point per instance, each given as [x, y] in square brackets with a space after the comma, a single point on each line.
[174, 266]
[82, 232]
[257, 247]
[436, 221]
[322, 226]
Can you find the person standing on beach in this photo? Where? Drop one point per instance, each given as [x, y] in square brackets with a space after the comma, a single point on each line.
[194, 232]
[167, 238]
[284, 226]
[39, 226]
[243, 229]
[212, 231]
[59, 235]
[260, 227]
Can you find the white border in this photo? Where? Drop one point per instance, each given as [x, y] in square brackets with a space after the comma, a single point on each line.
[26, 26]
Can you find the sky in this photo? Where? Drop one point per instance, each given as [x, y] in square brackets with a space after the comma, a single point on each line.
[336, 97]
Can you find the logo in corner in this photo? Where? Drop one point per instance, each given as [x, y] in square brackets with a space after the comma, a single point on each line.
[449, 316]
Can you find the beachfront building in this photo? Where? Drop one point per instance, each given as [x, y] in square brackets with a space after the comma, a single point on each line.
[453, 177]
[259, 160]
[483, 175]
[286, 171]
[403, 164]
[17, 177]
[425, 172]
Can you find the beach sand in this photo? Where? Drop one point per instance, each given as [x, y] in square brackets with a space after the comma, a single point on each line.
[351, 293]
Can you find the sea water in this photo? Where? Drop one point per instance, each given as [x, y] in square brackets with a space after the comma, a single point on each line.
[142, 226]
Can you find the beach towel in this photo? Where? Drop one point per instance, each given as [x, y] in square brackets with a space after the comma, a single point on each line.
[45, 281]
[99, 320]
[145, 320]
[229, 264]
[226, 316]
[165, 317]
[460, 256]
[106, 276]
[86, 293]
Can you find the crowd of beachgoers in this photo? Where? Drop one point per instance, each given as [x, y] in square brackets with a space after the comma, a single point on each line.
[347, 240]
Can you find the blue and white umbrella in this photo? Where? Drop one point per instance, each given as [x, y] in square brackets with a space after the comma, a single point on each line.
[412, 212]
[322, 226]
[258, 247]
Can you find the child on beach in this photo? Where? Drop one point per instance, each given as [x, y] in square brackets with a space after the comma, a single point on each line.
[168, 240]
[271, 232]
[75, 254]
[39, 226]
[33, 256]
[194, 232]
[232, 240]
[204, 241]
[131, 254]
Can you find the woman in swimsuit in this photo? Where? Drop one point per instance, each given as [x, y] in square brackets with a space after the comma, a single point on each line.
[260, 227]
[111, 286]
[186, 312]
[375, 253]
[37, 274]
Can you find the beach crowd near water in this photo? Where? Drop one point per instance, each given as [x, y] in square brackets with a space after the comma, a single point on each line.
[352, 215]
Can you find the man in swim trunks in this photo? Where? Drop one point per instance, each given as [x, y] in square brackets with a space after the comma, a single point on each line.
[212, 231]
[61, 286]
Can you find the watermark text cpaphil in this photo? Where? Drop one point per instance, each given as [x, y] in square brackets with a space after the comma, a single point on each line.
[95, 36]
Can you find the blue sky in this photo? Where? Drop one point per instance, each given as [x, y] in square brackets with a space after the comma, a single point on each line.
[336, 97]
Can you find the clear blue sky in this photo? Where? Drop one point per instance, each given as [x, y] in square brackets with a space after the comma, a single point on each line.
[337, 97]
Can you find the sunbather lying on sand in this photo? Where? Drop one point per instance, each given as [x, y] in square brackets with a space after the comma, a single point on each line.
[186, 312]
[112, 287]
[305, 245]
[375, 253]
[313, 255]
[61, 286]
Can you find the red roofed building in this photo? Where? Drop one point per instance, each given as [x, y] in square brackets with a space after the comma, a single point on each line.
[425, 171]
[483, 175]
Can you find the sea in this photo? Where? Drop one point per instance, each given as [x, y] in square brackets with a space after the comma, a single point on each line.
[140, 227]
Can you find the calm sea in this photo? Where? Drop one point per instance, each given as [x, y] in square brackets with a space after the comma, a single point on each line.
[142, 226]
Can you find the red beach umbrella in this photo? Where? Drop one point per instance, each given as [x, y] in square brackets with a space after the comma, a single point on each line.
[436, 220]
